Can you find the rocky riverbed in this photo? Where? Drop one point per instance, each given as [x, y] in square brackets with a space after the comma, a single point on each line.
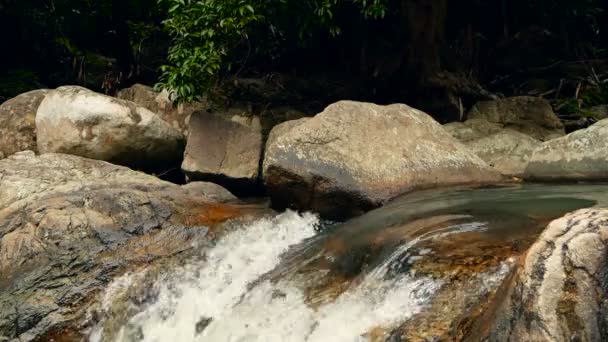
[364, 221]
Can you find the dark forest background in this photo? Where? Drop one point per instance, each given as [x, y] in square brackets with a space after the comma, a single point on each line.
[439, 55]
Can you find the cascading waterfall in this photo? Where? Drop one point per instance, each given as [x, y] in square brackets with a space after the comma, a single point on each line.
[255, 282]
[212, 301]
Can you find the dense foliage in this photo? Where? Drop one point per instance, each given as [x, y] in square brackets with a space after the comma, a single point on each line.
[374, 38]
[387, 49]
[97, 43]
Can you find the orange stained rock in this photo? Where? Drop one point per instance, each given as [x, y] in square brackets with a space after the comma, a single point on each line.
[205, 214]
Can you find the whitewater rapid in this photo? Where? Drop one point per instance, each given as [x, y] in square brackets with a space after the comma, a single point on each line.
[223, 297]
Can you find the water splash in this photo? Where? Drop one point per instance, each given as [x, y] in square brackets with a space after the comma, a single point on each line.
[398, 254]
[210, 289]
[223, 298]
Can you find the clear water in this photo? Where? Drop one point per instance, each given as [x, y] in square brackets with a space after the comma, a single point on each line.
[280, 279]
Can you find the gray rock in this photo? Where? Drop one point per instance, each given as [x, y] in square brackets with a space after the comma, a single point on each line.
[18, 122]
[223, 151]
[560, 292]
[507, 151]
[282, 129]
[69, 226]
[472, 129]
[530, 115]
[178, 116]
[210, 191]
[77, 121]
[581, 155]
[354, 156]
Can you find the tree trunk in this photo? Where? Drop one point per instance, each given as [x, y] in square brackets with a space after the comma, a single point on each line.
[424, 24]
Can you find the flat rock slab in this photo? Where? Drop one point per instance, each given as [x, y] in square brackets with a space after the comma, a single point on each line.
[223, 151]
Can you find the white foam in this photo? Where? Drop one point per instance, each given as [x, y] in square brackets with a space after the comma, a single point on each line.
[211, 289]
[217, 293]
[265, 316]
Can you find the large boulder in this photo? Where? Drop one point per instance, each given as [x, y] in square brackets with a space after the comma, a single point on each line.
[354, 156]
[77, 121]
[560, 292]
[70, 225]
[160, 103]
[581, 155]
[530, 115]
[507, 151]
[18, 122]
[224, 151]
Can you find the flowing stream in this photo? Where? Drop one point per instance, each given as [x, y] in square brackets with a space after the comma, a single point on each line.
[407, 270]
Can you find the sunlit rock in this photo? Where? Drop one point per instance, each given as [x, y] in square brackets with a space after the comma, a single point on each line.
[581, 155]
[77, 121]
[559, 293]
[69, 225]
[354, 156]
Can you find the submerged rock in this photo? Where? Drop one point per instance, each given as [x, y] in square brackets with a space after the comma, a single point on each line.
[77, 121]
[581, 155]
[178, 116]
[69, 225]
[507, 151]
[560, 292]
[224, 151]
[354, 156]
[210, 191]
[530, 115]
[18, 122]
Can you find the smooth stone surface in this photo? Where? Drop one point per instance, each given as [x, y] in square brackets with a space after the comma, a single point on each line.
[77, 121]
[507, 151]
[354, 156]
[581, 155]
[224, 151]
[211, 191]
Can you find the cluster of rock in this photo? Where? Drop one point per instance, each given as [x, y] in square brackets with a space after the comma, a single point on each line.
[348, 159]
[70, 221]
[69, 225]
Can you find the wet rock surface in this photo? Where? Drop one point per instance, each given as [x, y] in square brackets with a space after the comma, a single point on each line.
[559, 293]
[210, 191]
[78, 121]
[70, 225]
[354, 156]
[18, 122]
